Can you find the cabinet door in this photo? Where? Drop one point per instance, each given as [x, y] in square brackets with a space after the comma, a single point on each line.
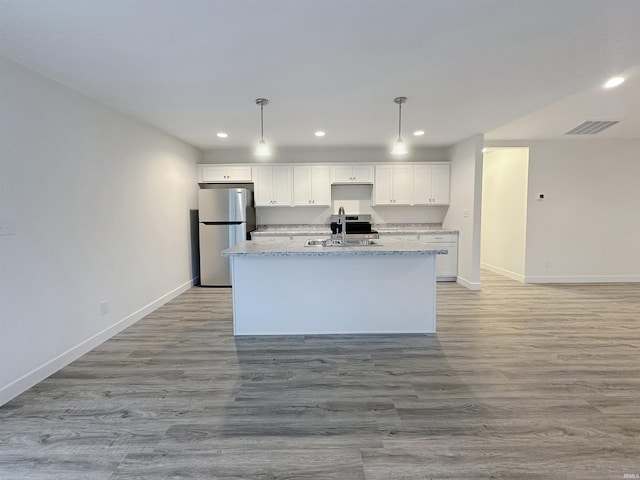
[263, 186]
[214, 174]
[440, 175]
[302, 186]
[447, 265]
[402, 185]
[362, 174]
[342, 174]
[282, 186]
[320, 185]
[239, 173]
[383, 186]
[422, 185]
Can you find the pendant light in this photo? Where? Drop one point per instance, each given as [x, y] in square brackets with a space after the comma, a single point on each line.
[399, 148]
[262, 150]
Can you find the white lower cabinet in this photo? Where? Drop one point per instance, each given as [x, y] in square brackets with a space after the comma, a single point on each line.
[447, 264]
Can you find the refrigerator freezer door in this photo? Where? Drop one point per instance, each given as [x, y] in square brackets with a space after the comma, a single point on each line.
[222, 205]
[214, 268]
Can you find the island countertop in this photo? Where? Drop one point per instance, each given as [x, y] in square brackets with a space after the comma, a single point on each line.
[287, 248]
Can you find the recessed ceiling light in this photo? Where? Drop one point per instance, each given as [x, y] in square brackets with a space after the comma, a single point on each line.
[614, 82]
[222, 135]
[418, 133]
[319, 133]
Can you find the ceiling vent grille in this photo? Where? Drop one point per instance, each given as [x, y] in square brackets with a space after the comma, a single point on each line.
[591, 127]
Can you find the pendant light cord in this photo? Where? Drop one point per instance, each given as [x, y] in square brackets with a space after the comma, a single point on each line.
[399, 120]
[261, 123]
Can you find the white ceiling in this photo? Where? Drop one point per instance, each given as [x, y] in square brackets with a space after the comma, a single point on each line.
[507, 68]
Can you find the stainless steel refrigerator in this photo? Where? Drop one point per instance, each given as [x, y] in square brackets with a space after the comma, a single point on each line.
[226, 216]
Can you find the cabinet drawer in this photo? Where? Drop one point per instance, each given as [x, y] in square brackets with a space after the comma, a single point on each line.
[439, 237]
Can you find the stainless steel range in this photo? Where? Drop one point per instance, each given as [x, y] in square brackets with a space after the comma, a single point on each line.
[358, 227]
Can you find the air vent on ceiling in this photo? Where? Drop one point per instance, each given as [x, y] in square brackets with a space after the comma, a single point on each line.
[591, 127]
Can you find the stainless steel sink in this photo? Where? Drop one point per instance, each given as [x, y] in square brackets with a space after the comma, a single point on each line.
[329, 242]
[364, 242]
[318, 242]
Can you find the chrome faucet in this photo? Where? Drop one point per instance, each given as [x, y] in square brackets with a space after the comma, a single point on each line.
[342, 221]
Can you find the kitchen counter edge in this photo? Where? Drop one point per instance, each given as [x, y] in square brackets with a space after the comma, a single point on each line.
[288, 248]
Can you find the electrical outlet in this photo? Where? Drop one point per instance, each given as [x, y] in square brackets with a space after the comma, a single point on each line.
[104, 307]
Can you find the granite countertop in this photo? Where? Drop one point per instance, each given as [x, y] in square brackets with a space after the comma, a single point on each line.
[397, 228]
[411, 228]
[288, 230]
[289, 248]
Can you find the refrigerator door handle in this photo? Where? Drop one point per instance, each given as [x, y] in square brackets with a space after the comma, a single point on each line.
[221, 223]
[237, 205]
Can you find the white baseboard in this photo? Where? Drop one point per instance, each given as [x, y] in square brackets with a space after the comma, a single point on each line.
[583, 279]
[501, 271]
[38, 374]
[467, 284]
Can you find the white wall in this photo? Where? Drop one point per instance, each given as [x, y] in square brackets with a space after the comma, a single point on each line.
[587, 229]
[328, 154]
[465, 207]
[101, 209]
[504, 211]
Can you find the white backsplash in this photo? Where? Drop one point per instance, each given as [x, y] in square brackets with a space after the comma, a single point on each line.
[354, 199]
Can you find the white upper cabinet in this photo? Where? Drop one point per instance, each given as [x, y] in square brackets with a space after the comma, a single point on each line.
[224, 173]
[431, 184]
[352, 174]
[272, 186]
[393, 185]
[311, 185]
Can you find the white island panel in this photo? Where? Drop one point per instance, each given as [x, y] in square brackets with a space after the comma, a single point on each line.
[334, 292]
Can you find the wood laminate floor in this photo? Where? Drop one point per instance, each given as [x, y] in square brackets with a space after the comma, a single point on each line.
[520, 382]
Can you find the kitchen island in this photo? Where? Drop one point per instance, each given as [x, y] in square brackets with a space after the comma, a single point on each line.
[283, 287]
